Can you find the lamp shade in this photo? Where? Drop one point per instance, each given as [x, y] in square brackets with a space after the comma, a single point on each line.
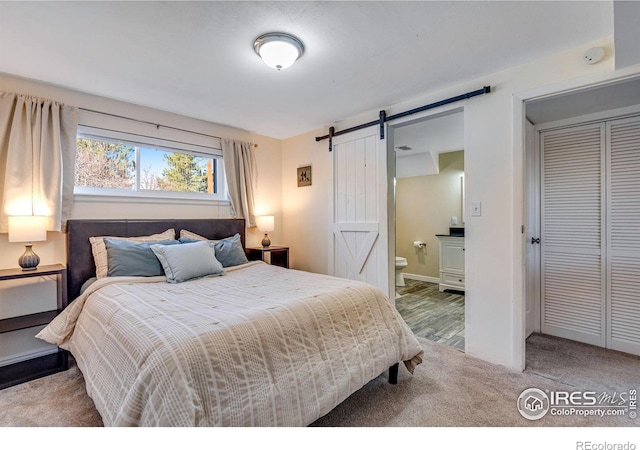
[265, 223]
[27, 228]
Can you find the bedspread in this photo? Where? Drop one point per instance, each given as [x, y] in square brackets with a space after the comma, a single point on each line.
[260, 346]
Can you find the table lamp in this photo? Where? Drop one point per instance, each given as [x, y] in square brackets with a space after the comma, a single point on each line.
[265, 223]
[28, 229]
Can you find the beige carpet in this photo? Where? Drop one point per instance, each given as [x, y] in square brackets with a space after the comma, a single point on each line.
[448, 389]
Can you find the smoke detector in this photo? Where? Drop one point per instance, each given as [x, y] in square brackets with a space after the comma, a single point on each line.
[593, 55]
[404, 147]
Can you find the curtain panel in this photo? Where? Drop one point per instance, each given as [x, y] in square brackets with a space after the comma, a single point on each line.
[241, 171]
[37, 159]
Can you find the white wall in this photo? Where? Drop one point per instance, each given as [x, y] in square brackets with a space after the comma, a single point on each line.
[305, 209]
[493, 175]
[417, 164]
[268, 156]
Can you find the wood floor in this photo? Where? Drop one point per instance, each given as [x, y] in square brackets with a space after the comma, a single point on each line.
[437, 316]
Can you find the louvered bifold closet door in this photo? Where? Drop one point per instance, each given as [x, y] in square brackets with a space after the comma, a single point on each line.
[623, 141]
[573, 277]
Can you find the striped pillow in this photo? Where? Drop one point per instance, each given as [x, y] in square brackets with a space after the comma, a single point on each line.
[99, 249]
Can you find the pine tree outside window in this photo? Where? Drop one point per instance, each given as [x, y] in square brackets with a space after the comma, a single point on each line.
[117, 167]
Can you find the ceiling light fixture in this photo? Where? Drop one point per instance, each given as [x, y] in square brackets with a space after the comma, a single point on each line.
[278, 50]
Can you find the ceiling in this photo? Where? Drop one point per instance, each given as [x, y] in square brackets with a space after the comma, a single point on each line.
[197, 58]
[436, 135]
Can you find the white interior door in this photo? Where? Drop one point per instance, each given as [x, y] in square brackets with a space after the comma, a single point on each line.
[591, 233]
[358, 235]
[532, 232]
[623, 240]
[573, 285]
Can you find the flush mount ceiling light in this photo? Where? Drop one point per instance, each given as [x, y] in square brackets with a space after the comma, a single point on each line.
[278, 50]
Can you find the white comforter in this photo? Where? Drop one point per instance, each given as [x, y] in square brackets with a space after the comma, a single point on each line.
[260, 346]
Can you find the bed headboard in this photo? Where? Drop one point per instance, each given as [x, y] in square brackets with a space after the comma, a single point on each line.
[80, 263]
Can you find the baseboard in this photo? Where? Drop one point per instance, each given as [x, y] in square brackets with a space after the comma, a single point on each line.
[413, 276]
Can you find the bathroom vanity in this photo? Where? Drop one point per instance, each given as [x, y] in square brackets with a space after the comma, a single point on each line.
[451, 260]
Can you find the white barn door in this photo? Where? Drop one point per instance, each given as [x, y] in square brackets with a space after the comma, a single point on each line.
[358, 237]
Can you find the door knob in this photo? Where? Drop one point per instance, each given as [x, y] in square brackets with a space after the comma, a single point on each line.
[535, 240]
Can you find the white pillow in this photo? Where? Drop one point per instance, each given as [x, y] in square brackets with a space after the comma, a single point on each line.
[99, 249]
[185, 262]
[189, 235]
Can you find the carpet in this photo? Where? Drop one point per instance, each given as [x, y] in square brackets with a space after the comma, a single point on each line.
[449, 389]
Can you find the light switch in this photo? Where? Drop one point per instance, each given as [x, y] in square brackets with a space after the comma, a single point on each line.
[454, 221]
[476, 209]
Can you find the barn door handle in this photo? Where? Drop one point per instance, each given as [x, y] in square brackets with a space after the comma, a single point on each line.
[535, 240]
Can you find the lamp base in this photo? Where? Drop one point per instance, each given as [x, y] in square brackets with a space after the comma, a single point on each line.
[266, 242]
[29, 260]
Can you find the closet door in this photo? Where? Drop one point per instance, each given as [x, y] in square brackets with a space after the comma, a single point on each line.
[623, 142]
[573, 284]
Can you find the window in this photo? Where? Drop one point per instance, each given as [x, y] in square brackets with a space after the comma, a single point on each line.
[109, 165]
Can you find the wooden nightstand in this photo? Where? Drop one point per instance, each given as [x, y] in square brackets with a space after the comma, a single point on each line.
[275, 255]
[23, 357]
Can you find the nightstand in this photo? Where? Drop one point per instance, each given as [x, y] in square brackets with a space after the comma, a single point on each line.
[274, 254]
[23, 357]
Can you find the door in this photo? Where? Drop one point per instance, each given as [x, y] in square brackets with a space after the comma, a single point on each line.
[623, 239]
[358, 235]
[573, 281]
[532, 233]
[591, 233]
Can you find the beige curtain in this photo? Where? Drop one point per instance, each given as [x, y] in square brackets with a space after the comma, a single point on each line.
[37, 159]
[242, 176]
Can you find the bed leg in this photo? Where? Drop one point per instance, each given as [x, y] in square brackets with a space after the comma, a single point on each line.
[393, 374]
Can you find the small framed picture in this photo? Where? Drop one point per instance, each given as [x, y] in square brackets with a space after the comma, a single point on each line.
[304, 176]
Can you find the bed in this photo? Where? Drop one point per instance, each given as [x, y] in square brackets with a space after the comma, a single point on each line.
[259, 345]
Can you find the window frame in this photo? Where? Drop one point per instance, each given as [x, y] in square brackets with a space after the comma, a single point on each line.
[137, 195]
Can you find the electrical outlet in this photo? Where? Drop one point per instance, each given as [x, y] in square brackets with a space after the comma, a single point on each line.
[476, 209]
[454, 221]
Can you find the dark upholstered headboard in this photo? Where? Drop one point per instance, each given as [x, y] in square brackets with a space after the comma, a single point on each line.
[80, 263]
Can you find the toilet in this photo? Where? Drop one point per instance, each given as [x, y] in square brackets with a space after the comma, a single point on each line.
[401, 263]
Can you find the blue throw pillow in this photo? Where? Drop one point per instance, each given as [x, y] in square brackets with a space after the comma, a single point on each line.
[229, 250]
[133, 259]
[185, 262]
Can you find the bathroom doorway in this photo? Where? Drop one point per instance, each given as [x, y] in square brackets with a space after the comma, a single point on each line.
[429, 226]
